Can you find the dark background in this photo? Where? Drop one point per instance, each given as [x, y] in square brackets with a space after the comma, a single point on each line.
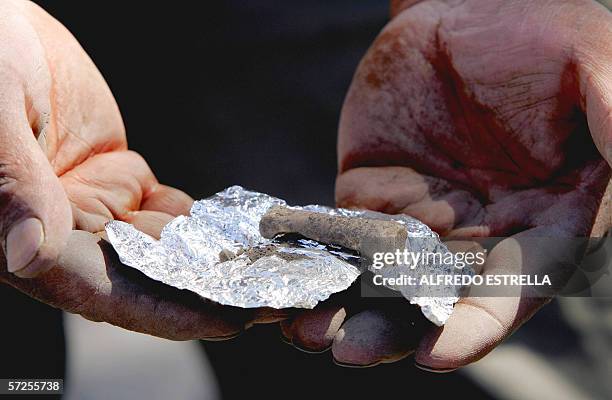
[219, 93]
[228, 92]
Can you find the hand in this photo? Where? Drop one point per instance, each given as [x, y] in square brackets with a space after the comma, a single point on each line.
[480, 118]
[64, 165]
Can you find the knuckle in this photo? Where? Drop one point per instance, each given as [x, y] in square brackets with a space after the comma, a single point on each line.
[6, 177]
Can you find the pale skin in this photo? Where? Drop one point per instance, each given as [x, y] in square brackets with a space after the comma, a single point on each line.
[473, 135]
[64, 161]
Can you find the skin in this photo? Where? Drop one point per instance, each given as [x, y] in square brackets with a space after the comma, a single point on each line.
[428, 86]
[481, 118]
[64, 160]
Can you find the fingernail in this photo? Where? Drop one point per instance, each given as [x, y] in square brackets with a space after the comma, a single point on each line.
[434, 370]
[22, 243]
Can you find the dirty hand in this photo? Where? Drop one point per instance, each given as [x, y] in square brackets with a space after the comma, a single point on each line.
[64, 165]
[480, 118]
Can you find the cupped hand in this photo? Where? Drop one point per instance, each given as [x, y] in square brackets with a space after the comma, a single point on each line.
[65, 171]
[480, 118]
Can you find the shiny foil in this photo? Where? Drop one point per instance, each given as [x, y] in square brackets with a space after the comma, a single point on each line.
[218, 253]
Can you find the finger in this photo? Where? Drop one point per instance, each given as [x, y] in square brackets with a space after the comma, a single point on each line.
[152, 223]
[90, 281]
[314, 330]
[35, 215]
[478, 323]
[268, 315]
[168, 200]
[473, 330]
[375, 336]
[149, 222]
[594, 60]
[429, 199]
[467, 247]
[107, 186]
[603, 220]
[390, 333]
[286, 332]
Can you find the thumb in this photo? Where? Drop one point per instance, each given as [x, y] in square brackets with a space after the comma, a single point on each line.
[594, 58]
[486, 317]
[35, 215]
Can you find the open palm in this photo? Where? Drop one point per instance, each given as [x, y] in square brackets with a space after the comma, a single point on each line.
[65, 162]
[480, 118]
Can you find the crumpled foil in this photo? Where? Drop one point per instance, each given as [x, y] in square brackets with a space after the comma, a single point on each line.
[218, 253]
[436, 301]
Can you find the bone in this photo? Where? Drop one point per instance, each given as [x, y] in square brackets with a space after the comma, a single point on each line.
[367, 236]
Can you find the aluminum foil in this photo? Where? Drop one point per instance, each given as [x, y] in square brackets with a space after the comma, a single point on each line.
[436, 301]
[218, 253]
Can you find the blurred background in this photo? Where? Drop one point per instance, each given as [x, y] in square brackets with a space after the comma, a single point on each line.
[241, 92]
